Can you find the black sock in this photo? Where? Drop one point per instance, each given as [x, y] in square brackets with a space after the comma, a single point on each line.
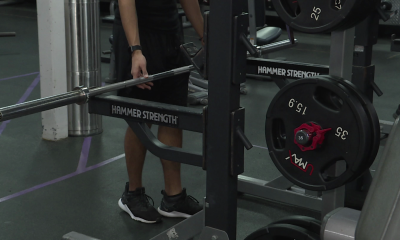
[138, 191]
[176, 195]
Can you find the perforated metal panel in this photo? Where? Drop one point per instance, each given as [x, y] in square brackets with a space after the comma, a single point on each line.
[395, 19]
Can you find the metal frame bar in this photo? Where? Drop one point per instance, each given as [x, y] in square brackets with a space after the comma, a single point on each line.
[341, 59]
[252, 22]
[224, 99]
[280, 190]
[187, 229]
[275, 46]
[163, 151]
[186, 118]
[272, 67]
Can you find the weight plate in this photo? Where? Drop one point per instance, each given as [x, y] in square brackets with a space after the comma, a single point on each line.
[367, 154]
[372, 116]
[283, 232]
[315, 16]
[334, 123]
[309, 223]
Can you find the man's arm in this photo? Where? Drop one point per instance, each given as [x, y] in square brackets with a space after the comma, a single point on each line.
[193, 13]
[127, 9]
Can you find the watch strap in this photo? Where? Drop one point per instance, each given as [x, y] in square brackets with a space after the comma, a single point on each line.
[134, 48]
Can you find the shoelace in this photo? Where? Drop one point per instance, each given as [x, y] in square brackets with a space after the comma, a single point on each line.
[194, 199]
[146, 198]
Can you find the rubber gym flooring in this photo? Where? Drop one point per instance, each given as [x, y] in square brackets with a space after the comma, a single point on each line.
[48, 189]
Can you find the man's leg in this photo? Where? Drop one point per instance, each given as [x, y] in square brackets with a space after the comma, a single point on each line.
[172, 170]
[134, 200]
[175, 202]
[135, 153]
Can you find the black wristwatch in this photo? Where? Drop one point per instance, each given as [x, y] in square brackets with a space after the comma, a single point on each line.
[134, 48]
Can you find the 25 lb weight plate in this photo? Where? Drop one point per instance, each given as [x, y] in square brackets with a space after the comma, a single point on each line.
[314, 16]
[311, 125]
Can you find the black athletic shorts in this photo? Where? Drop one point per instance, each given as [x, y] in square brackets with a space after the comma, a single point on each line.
[162, 53]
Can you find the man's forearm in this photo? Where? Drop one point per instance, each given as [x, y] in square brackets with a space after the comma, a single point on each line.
[192, 11]
[127, 9]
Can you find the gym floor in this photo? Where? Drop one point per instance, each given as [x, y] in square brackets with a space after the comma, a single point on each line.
[48, 189]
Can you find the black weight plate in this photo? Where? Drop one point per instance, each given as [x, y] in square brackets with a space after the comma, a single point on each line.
[372, 116]
[360, 13]
[283, 232]
[367, 154]
[313, 16]
[320, 101]
[309, 223]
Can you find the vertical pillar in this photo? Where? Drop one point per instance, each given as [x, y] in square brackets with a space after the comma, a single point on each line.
[82, 19]
[224, 100]
[340, 64]
[53, 71]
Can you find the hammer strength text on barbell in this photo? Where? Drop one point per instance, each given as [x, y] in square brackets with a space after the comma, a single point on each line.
[136, 113]
[285, 72]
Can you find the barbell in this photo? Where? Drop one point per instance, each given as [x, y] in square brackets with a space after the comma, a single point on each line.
[79, 95]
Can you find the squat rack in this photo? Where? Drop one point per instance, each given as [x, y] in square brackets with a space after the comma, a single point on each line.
[223, 137]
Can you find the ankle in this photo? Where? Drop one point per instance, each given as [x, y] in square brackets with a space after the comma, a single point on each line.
[173, 192]
[174, 198]
[133, 187]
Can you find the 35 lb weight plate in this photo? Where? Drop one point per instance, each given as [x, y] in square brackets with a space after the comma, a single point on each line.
[311, 125]
[314, 16]
[372, 117]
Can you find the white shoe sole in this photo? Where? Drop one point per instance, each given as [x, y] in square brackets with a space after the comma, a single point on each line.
[125, 208]
[173, 214]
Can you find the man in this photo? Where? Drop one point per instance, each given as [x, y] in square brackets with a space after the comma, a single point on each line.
[147, 36]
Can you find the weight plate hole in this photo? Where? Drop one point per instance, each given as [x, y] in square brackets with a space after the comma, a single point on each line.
[278, 133]
[298, 10]
[328, 171]
[292, 7]
[328, 99]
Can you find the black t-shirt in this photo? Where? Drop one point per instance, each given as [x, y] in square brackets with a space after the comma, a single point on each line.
[155, 15]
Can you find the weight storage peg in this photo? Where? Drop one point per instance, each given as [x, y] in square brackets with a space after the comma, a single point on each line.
[313, 124]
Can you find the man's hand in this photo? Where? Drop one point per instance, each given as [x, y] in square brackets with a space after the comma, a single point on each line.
[139, 69]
